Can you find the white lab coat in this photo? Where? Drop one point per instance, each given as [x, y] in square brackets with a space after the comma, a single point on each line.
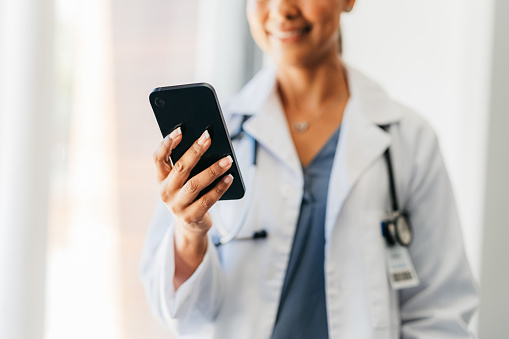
[235, 291]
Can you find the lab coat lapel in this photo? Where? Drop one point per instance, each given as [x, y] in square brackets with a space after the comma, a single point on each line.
[267, 124]
[361, 141]
[269, 127]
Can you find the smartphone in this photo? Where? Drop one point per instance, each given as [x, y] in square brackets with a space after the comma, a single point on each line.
[195, 108]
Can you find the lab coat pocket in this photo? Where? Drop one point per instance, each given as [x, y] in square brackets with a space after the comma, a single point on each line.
[383, 300]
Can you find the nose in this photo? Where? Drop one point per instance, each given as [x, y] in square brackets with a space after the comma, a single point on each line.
[284, 9]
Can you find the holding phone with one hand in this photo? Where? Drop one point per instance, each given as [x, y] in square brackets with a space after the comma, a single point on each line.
[194, 109]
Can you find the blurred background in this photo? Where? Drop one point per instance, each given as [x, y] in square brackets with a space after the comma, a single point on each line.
[77, 184]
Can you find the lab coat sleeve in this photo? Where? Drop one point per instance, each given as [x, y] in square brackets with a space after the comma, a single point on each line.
[193, 307]
[444, 302]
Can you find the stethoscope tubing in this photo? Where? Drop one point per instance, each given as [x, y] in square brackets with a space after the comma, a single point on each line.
[229, 236]
[226, 236]
[391, 236]
[390, 231]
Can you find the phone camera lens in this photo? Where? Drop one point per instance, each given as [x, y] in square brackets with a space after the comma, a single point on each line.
[159, 102]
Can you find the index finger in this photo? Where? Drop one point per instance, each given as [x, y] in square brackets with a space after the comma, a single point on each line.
[163, 152]
[183, 167]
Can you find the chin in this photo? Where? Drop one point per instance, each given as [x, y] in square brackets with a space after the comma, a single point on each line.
[301, 60]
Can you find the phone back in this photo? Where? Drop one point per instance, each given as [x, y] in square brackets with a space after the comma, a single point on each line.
[195, 108]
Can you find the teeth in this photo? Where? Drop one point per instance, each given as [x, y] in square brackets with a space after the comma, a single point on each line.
[287, 34]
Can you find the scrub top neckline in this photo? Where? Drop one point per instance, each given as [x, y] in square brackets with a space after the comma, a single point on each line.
[320, 152]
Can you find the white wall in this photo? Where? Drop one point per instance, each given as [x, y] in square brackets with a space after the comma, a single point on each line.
[495, 264]
[435, 58]
[26, 45]
[226, 55]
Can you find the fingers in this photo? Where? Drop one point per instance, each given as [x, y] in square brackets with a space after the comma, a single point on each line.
[182, 168]
[200, 207]
[163, 152]
[196, 184]
[179, 192]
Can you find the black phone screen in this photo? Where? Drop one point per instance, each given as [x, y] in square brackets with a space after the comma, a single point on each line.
[195, 108]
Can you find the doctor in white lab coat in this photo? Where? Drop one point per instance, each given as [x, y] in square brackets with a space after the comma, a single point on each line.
[233, 291]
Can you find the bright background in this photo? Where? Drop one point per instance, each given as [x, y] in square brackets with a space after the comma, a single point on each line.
[77, 184]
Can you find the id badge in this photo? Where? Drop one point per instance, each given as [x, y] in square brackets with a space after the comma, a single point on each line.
[401, 269]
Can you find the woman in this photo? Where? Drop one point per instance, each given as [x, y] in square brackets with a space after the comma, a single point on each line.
[321, 193]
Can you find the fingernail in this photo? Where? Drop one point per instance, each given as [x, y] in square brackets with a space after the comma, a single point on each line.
[175, 133]
[204, 137]
[225, 162]
[166, 139]
[228, 179]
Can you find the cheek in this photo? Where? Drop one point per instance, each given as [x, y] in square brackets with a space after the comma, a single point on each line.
[257, 14]
[256, 11]
[323, 12]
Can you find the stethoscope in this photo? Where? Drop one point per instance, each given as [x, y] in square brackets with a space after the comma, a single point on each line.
[225, 235]
[396, 229]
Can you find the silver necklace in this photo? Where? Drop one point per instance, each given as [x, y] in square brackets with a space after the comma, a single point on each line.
[302, 126]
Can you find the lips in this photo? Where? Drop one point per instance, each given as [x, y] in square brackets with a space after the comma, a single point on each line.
[289, 34]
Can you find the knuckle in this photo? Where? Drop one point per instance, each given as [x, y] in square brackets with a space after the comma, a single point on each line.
[191, 186]
[188, 219]
[206, 202]
[174, 210]
[166, 196]
[155, 156]
[179, 167]
[195, 149]
[212, 171]
[219, 190]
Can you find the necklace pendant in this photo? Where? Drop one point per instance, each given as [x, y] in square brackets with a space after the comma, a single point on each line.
[300, 126]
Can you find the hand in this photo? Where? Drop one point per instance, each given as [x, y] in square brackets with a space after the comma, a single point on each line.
[179, 193]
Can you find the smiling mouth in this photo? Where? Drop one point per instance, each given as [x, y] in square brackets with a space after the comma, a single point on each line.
[289, 34]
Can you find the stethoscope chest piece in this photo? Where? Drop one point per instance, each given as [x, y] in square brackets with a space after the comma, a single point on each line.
[397, 230]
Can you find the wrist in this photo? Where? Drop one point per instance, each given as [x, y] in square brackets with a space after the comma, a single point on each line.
[190, 245]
